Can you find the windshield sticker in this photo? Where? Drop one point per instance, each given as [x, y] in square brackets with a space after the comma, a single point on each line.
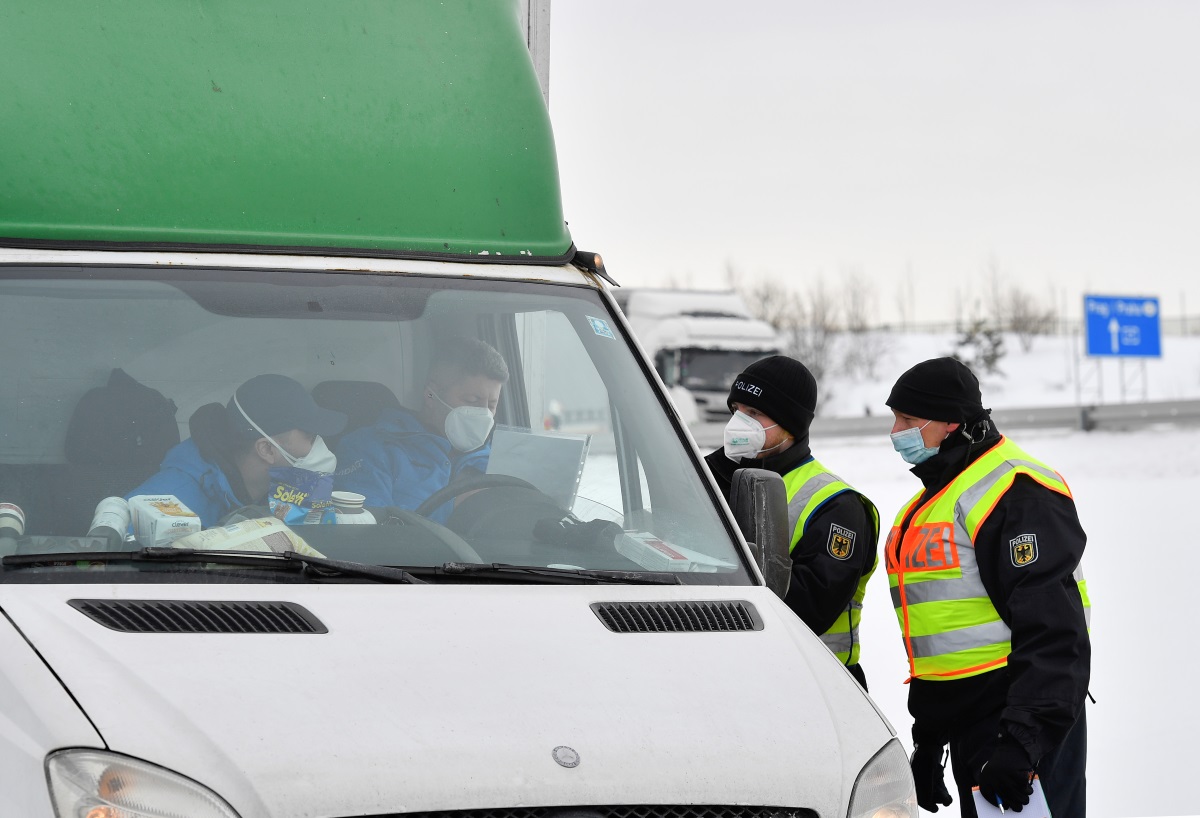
[601, 327]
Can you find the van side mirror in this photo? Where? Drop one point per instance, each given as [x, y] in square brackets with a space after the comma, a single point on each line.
[759, 503]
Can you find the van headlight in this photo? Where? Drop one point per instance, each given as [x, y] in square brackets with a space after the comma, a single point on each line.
[98, 784]
[884, 788]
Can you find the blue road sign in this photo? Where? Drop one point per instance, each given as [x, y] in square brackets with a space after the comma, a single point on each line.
[1122, 326]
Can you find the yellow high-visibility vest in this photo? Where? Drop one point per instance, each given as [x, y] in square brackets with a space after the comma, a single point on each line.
[808, 488]
[951, 628]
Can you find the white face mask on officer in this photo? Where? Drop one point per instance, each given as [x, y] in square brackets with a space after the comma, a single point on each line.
[467, 427]
[746, 437]
[319, 458]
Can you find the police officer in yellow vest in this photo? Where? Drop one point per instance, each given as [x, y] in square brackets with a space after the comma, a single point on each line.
[984, 568]
[835, 528]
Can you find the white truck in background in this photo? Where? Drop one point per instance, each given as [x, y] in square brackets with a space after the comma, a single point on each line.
[699, 341]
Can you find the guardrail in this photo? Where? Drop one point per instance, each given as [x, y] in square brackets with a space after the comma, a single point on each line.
[1108, 416]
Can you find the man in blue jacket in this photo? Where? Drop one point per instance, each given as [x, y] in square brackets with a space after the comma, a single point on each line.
[408, 455]
[271, 422]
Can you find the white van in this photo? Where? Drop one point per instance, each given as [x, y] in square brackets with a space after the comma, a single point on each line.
[206, 192]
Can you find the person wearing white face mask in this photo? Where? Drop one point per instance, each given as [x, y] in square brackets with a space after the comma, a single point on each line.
[270, 423]
[984, 566]
[406, 455]
[835, 529]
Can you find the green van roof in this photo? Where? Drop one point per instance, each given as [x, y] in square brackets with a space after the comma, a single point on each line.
[387, 126]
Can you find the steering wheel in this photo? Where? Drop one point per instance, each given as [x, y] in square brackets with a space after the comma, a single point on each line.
[483, 481]
[460, 547]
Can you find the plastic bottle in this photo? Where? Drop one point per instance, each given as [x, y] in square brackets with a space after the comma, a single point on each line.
[348, 507]
[12, 526]
[111, 521]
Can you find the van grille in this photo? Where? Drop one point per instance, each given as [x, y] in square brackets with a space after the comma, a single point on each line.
[199, 616]
[670, 617]
[622, 811]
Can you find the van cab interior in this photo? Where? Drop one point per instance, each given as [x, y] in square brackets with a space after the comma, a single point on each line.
[127, 356]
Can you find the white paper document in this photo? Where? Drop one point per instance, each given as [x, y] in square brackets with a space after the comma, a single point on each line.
[1036, 808]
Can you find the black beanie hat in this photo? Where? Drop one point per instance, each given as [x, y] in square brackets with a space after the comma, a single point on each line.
[942, 389]
[780, 387]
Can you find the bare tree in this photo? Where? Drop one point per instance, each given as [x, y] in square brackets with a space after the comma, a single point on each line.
[1015, 309]
[906, 296]
[864, 345]
[858, 299]
[812, 338]
[771, 300]
[807, 323]
[1027, 318]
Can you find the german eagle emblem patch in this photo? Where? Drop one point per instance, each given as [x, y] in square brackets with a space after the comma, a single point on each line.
[841, 542]
[1023, 549]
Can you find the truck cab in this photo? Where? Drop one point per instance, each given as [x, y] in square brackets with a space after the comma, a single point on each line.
[699, 341]
[204, 193]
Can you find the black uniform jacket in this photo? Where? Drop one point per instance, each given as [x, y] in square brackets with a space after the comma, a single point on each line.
[822, 585]
[1040, 693]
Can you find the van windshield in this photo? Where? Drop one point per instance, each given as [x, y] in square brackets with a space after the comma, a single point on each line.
[385, 419]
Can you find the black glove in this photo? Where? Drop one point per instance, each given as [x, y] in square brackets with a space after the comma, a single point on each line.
[1005, 777]
[929, 774]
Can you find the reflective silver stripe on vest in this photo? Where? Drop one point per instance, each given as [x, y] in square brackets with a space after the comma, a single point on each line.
[808, 490]
[974, 494]
[1077, 575]
[976, 636]
[838, 642]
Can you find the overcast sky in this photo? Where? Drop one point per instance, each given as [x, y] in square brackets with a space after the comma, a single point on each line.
[919, 144]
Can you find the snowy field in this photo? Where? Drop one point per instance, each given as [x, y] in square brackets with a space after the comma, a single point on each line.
[1053, 373]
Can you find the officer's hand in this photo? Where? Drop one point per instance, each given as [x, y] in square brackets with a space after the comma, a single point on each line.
[929, 774]
[1005, 777]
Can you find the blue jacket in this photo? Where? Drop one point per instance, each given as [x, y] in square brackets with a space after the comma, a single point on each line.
[200, 485]
[398, 462]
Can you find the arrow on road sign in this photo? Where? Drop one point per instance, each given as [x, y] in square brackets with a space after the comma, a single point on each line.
[1114, 330]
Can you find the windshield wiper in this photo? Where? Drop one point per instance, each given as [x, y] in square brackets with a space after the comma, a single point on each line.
[562, 575]
[321, 567]
[327, 567]
[151, 554]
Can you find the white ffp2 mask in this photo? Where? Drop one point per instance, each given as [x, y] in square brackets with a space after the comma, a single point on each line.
[745, 436]
[319, 458]
[467, 427]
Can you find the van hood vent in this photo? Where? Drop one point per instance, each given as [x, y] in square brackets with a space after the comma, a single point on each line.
[663, 617]
[199, 616]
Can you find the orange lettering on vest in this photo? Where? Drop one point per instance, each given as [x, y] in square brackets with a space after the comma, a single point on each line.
[932, 548]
